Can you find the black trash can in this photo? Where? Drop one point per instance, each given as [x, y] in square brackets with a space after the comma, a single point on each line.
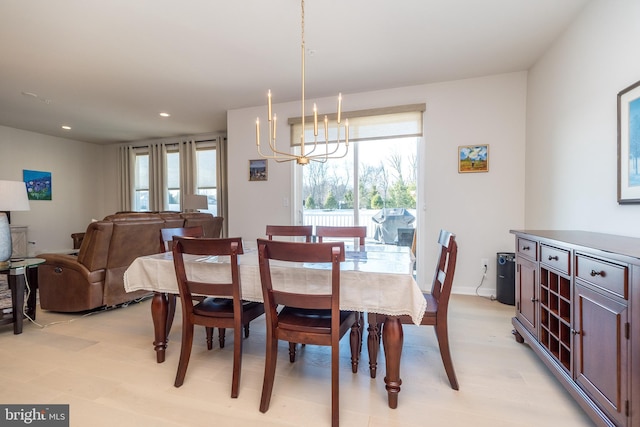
[506, 278]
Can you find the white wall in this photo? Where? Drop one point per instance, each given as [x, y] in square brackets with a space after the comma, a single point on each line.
[571, 153]
[77, 185]
[480, 208]
[566, 177]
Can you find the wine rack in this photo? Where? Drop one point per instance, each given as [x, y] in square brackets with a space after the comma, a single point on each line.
[555, 315]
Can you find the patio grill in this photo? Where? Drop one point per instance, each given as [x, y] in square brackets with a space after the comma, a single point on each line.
[388, 220]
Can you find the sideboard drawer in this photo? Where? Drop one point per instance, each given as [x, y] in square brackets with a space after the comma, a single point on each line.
[605, 275]
[528, 248]
[555, 258]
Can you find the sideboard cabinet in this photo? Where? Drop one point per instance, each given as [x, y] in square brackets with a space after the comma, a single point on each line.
[575, 293]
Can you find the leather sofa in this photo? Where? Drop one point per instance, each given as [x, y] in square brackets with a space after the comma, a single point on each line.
[95, 277]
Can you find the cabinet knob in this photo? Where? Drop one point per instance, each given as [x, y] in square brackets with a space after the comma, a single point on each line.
[597, 273]
[553, 258]
[575, 332]
[525, 248]
[534, 299]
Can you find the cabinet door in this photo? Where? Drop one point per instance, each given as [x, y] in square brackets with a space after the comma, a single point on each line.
[601, 350]
[527, 294]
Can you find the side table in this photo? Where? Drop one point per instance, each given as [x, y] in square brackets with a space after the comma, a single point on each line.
[19, 273]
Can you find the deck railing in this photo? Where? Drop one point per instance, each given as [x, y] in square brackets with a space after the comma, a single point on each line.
[343, 218]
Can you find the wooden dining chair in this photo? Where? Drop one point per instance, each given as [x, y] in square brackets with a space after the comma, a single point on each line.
[166, 245]
[166, 235]
[437, 305]
[229, 312]
[356, 231]
[359, 232]
[304, 318]
[305, 231]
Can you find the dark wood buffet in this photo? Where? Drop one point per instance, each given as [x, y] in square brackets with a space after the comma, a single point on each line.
[578, 308]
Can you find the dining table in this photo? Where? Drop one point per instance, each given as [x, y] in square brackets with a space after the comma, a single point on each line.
[374, 278]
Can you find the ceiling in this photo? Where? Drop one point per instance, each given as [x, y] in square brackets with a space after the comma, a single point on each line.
[107, 68]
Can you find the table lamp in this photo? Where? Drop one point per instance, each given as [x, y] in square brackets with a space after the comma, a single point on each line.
[193, 202]
[13, 197]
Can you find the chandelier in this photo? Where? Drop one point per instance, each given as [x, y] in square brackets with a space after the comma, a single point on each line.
[309, 151]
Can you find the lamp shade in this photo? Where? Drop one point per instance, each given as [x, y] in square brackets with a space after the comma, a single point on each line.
[195, 201]
[13, 196]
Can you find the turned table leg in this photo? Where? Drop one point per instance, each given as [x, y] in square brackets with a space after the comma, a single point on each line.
[373, 343]
[392, 338]
[159, 311]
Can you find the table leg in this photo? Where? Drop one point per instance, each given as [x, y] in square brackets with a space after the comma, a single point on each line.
[16, 283]
[392, 338]
[159, 310]
[373, 343]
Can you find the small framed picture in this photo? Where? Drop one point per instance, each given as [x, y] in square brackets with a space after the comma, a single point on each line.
[38, 184]
[258, 170]
[473, 158]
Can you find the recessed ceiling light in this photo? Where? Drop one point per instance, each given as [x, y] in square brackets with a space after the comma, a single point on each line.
[65, 127]
[165, 115]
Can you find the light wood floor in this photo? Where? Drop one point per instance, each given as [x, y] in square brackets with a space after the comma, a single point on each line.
[104, 366]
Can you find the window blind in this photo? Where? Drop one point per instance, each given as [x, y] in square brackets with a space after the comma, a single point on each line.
[364, 125]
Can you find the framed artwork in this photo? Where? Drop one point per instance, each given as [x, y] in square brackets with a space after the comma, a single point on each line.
[473, 158]
[629, 144]
[38, 184]
[258, 170]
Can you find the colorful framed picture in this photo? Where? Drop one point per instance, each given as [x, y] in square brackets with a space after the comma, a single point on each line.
[38, 184]
[629, 144]
[473, 158]
[258, 170]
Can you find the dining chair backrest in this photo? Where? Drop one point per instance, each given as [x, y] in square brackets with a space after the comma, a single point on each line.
[210, 247]
[166, 235]
[445, 269]
[305, 231]
[359, 232]
[332, 253]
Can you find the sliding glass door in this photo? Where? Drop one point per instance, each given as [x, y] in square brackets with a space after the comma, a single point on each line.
[374, 185]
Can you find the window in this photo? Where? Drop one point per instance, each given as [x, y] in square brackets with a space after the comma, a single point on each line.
[141, 182]
[173, 181]
[379, 173]
[355, 190]
[187, 168]
[206, 177]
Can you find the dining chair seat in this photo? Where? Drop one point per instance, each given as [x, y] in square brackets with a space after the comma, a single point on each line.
[221, 307]
[311, 320]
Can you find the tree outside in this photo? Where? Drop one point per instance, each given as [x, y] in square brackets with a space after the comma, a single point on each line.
[388, 173]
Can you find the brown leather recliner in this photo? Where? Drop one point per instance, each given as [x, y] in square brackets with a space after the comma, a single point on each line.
[95, 278]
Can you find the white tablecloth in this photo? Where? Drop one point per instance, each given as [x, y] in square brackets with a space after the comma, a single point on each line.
[372, 281]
